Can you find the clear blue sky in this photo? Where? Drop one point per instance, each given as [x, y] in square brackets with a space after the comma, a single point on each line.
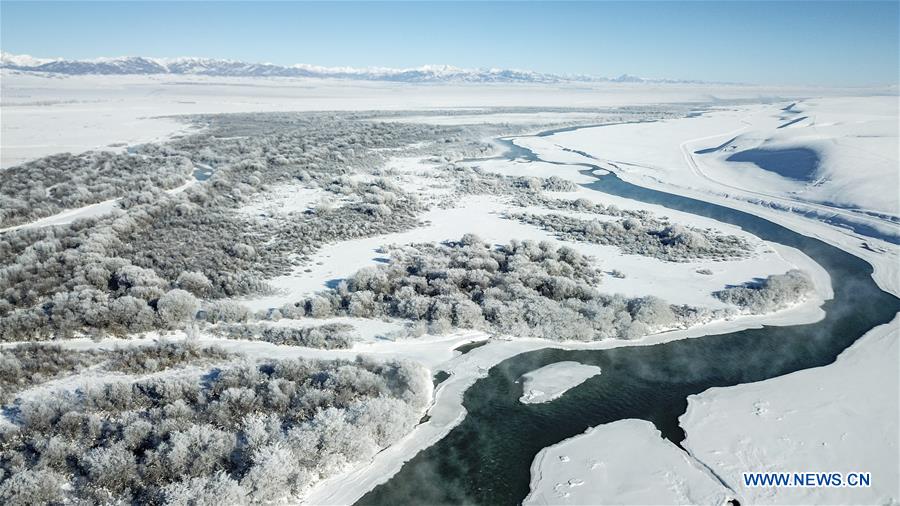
[826, 43]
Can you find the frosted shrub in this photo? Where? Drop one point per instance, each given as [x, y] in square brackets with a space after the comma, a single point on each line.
[523, 289]
[214, 490]
[160, 356]
[647, 236]
[652, 312]
[177, 307]
[194, 282]
[29, 364]
[52, 184]
[226, 311]
[32, 486]
[272, 471]
[67, 280]
[327, 336]
[246, 433]
[112, 468]
[771, 294]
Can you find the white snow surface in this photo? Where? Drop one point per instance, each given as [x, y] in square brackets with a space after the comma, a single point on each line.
[624, 462]
[839, 418]
[48, 113]
[281, 200]
[553, 380]
[511, 118]
[855, 139]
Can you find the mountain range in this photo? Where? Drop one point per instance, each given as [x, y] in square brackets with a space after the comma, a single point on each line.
[138, 65]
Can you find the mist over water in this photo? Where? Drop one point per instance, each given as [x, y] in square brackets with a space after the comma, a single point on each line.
[487, 458]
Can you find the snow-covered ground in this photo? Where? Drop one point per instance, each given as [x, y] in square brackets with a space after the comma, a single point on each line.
[624, 462]
[853, 139]
[282, 200]
[551, 381]
[531, 118]
[46, 113]
[839, 418]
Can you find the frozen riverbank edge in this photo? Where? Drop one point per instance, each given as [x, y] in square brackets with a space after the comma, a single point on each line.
[838, 418]
[623, 462]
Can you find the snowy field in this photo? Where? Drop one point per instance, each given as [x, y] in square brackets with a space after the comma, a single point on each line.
[624, 462]
[845, 146]
[840, 418]
[90, 112]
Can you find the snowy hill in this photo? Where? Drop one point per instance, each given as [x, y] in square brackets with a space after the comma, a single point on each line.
[132, 65]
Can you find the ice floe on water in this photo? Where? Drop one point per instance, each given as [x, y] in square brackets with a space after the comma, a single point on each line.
[552, 381]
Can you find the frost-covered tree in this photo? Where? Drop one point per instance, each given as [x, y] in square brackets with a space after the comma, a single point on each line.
[327, 336]
[771, 294]
[177, 307]
[242, 433]
[213, 490]
[32, 486]
[642, 235]
[195, 282]
[524, 288]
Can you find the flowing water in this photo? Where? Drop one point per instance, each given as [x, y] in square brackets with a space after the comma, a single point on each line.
[487, 458]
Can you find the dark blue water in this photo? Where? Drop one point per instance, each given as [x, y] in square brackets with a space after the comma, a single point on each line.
[202, 173]
[487, 458]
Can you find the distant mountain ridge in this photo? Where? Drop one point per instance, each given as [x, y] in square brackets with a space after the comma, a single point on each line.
[137, 65]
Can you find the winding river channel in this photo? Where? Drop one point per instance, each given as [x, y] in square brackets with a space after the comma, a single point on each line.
[487, 458]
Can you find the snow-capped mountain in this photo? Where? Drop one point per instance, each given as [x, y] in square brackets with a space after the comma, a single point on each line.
[130, 65]
[21, 60]
[213, 67]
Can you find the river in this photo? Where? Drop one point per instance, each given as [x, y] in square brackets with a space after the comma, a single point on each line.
[487, 458]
